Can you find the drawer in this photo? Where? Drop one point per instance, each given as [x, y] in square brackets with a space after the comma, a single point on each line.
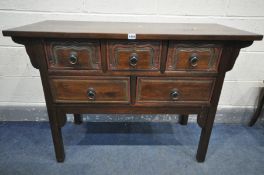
[173, 90]
[193, 57]
[90, 89]
[73, 54]
[133, 55]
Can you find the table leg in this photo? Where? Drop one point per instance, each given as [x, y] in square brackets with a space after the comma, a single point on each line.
[55, 126]
[56, 118]
[77, 119]
[205, 135]
[259, 108]
[183, 119]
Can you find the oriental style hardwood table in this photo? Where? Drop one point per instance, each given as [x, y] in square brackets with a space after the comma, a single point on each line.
[131, 68]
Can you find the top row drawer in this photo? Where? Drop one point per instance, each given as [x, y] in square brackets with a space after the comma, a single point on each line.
[73, 54]
[124, 55]
[139, 55]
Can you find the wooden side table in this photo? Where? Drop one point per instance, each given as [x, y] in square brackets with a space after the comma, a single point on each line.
[131, 68]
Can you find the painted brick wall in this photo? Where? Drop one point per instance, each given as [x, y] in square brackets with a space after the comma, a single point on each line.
[20, 83]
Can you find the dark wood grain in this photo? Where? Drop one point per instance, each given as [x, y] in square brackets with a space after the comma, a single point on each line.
[120, 30]
[87, 54]
[180, 73]
[75, 89]
[104, 55]
[103, 81]
[180, 55]
[158, 90]
[133, 87]
[164, 56]
[147, 53]
[57, 118]
[207, 116]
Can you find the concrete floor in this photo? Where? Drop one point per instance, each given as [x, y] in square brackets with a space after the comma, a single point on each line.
[130, 149]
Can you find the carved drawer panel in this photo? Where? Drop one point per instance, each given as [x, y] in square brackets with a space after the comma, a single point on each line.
[90, 89]
[133, 55]
[193, 57]
[74, 54]
[174, 90]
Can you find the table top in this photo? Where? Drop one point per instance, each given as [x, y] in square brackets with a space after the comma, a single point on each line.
[120, 30]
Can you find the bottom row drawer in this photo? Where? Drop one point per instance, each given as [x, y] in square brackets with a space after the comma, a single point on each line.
[91, 90]
[173, 90]
[117, 90]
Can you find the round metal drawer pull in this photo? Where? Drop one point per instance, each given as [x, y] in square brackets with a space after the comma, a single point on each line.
[91, 94]
[194, 61]
[175, 94]
[133, 59]
[73, 59]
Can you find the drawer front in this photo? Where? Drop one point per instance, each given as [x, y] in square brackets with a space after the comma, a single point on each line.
[74, 54]
[173, 90]
[130, 55]
[197, 57]
[91, 90]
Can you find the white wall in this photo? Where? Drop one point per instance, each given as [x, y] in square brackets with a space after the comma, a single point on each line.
[20, 83]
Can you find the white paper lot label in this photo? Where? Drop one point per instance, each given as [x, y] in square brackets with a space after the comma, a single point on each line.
[131, 36]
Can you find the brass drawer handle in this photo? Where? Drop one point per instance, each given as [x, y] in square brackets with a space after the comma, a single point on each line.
[91, 94]
[133, 59]
[175, 95]
[73, 59]
[193, 61]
